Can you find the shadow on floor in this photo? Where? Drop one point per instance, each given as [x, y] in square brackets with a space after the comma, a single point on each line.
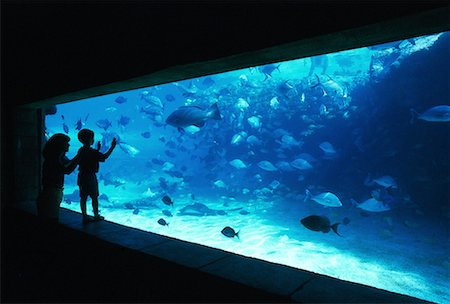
[53, 263]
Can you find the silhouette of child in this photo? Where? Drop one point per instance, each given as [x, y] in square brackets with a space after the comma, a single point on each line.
[55, 165]
[89, 159]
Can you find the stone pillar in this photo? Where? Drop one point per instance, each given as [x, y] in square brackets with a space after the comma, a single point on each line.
[27, 147]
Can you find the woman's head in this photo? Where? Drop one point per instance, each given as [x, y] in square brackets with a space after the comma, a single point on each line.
[57, 144]
[86, 136]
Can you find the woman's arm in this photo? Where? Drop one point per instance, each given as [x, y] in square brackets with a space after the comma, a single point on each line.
[69, 165]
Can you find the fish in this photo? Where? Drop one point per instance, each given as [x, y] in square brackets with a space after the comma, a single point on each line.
[136, 211]
[267, 166]
[435, 114]
[123, 121]
[268, 69]
[167, 200]
[78, 124]
[146, 134]
[170, 153]
[386, 181]
[186, 116]
[65, 127]
[208, 81]
[103, 124]
[74, 196]
[151, 110]
[199, 209]
[103, 197]
[254, 141]
[111, 109]
[319, 223]
[238, 164]
[109, 180]
[128, 149]
[372, 205]
[325, 198]
[170, 98]
[327, 147]
[301, 164]
[274, 103]
[163, 222]
[238, 138]
[244, 212]
[229, 232]
[157, 161]
[254, 122]
[284, 166]
[220, 184]
[151, 99]
[167, 213]
[120, 100]
[242, 104]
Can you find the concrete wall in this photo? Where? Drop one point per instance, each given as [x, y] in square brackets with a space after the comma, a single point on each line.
[28, 131]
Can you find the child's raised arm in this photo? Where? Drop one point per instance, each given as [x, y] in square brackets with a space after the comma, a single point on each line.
[108, 153]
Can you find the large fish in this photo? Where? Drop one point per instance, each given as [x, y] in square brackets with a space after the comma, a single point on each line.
[372, 205]
[192, 116]
[435, 114]
[319, 223]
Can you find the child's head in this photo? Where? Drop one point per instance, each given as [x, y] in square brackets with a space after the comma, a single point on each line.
[86, 137]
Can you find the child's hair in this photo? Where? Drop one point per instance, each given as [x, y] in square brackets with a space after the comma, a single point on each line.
[85, 136]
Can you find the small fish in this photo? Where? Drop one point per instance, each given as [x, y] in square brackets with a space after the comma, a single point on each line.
[123, 121]
[244, 212]
[65, 127]
[170, 153]
[229, 232]
[208, 81]
[162, 222]
[326, 199]
[167, 213]
[129, 206]
[146, 134]
[301, 164]
[136, 211]
[103, 197]
[170, 97]
[268, 69]
[167, 200]
[319, 223]
[128, 149]
[120, 100]
[238, 164]
[79, 125]
[157, 161]
[267, 166]
[103, 123]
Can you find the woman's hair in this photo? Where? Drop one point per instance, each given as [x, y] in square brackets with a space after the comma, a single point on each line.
[85, 136]
[55, 145]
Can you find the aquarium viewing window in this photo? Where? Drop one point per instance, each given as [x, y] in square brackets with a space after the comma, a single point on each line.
[327, 164]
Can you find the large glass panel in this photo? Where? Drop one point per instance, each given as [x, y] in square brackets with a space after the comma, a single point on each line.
[337, 164]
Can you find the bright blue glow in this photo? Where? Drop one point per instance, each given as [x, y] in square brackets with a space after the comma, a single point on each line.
[342, 126]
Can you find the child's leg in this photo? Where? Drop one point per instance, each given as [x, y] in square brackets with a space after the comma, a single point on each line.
[95, 205]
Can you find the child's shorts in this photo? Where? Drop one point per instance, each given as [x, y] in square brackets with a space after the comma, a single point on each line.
[88, 185]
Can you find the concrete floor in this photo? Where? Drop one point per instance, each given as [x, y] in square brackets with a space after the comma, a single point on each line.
[107, 262]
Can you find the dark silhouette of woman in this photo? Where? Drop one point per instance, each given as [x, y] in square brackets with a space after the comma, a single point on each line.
[56, 164]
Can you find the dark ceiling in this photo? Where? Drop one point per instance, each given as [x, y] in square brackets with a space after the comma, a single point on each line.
[50, 48]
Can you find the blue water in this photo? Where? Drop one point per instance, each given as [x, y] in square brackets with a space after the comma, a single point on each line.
[347, 127]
